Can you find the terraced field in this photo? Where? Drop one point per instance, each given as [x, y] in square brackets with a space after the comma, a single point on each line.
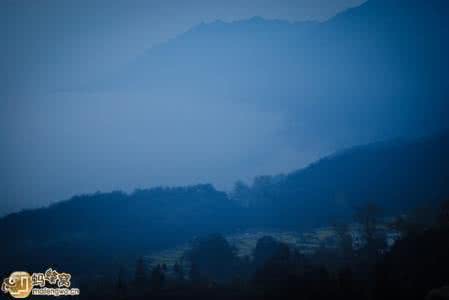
[245, 242]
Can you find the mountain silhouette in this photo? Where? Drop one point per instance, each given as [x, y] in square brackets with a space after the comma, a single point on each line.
[116, 227]
[398, 176]
[376, 70]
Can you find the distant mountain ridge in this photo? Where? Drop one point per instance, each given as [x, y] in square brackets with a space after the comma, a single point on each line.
[266, 96]
[381, 66]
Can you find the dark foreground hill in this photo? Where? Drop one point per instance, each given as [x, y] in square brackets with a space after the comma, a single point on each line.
[397, 176]
[105, 229]
[99, 230]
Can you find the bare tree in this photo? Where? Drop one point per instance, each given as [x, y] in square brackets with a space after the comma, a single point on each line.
[344, 237]
[368, 216]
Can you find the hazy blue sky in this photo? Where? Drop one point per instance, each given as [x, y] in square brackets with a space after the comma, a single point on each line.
[91, 37]
[58, 143]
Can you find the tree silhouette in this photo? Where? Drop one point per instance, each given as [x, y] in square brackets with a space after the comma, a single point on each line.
[121, 287]
[179, 271]
[194, 273]
[157, 278]
[368, 216]
[265, 249]
[213, 256]
[241, 193]
[344, 238]
[140, 274]
[443, 217]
